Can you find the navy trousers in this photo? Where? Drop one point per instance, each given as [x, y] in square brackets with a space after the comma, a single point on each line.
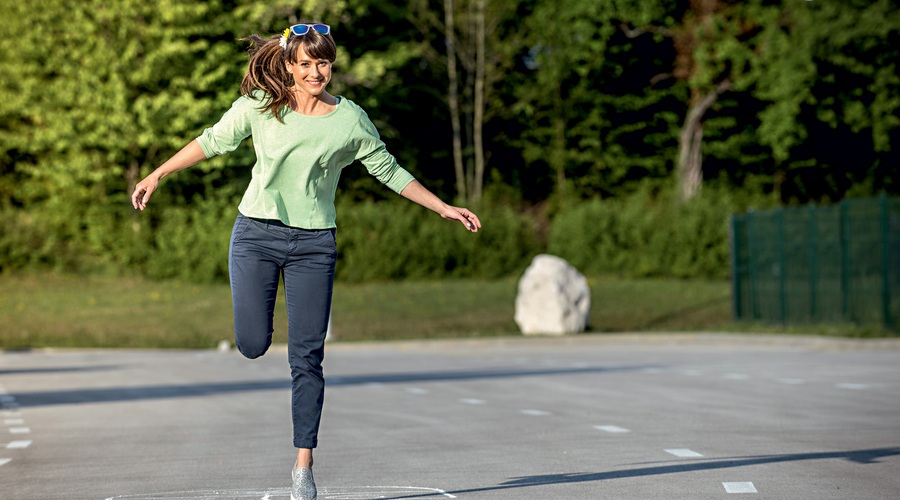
[262, 251]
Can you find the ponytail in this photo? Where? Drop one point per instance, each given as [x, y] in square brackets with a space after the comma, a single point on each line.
[267, 72]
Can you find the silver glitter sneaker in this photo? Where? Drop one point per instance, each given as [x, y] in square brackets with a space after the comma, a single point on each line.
[304, 487]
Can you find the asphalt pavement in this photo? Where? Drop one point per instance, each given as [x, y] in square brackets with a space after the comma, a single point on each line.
[642, 416]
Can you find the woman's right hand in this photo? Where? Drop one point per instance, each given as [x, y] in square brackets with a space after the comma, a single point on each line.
[187, 156]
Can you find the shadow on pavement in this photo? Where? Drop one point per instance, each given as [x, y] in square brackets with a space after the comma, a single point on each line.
[444, 376]
[139, 393]
[56, 369]
[859, 456]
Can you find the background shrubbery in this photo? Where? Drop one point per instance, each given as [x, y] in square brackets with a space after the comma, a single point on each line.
[644, 234]
[647, 234]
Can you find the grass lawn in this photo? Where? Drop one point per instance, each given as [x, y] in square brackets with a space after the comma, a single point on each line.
[65, 311]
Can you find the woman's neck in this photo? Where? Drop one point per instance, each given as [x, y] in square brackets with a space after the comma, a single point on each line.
[314, 105]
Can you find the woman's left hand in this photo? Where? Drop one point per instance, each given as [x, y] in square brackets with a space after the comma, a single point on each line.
[463, 215]
[414, 191]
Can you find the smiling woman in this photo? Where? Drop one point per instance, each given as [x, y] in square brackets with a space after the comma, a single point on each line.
[311, 75]
[307, 52]
[303, 138]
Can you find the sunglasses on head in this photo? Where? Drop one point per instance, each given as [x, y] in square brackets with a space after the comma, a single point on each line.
[302, 29]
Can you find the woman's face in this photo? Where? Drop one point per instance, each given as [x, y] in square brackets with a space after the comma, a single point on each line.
[311, 75]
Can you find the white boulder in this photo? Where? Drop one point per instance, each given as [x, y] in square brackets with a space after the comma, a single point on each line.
[553, 298]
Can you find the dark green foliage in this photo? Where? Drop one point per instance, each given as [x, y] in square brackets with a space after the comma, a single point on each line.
[397, 240]
[646, 234]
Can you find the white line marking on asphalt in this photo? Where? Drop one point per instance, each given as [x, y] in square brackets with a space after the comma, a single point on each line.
[791, 381]
[4, 461]
[19, 430]
[472, 401]
[535, 413]
[651, 370]
[856, 387]
[17, 445]
[744, 487]
[736, 376]
[374, 384]
[13, 421]
[683, 453]
[615, 429]
[417, 391]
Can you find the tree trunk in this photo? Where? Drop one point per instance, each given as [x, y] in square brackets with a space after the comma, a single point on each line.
[478, 120]
[557, 157]
[453, 101]
[690, 159]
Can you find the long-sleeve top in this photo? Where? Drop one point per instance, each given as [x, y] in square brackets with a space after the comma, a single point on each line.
[299, 162]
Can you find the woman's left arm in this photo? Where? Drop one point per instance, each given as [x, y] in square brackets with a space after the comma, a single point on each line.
[415, 191]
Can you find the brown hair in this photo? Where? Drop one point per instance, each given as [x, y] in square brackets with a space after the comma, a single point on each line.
[266, 70]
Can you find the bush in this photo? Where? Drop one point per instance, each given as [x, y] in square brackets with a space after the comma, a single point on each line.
[646, 234]
[641, 235]
[397, 240]
[191, 242]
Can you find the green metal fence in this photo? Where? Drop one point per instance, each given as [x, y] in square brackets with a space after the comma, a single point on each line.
[818, 264]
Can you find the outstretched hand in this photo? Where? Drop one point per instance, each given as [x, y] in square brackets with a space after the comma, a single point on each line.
[414, 191]
[187, 156]
[142, 192]
[463, 215]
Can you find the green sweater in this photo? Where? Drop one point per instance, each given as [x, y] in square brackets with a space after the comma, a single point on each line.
[298, 162]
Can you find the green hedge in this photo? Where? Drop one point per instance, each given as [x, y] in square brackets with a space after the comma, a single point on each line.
[395, 240]
[645, 234]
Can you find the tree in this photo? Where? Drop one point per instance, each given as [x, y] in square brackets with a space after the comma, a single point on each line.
[476, 56]
[104, 96]
[779, 54]
[829, 76]
[713, 40]
[590, 118]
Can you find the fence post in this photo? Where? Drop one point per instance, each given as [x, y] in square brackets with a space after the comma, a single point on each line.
[734, 241]
[752, 269]
[845, 272]
[782, 298]
[813, 264]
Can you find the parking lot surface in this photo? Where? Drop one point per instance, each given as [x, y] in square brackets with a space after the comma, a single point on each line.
[643, 416]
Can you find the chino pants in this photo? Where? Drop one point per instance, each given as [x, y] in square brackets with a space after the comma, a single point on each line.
[260, 252]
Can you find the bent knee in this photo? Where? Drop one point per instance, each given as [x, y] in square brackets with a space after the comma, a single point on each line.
[253, 350]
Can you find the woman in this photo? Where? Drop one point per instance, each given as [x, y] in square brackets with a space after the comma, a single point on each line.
[303, 136]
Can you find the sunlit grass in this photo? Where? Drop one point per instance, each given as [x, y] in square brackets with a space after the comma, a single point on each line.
[66, 311]
[49, 310]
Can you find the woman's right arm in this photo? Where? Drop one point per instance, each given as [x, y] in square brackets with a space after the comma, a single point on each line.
[188, 156]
